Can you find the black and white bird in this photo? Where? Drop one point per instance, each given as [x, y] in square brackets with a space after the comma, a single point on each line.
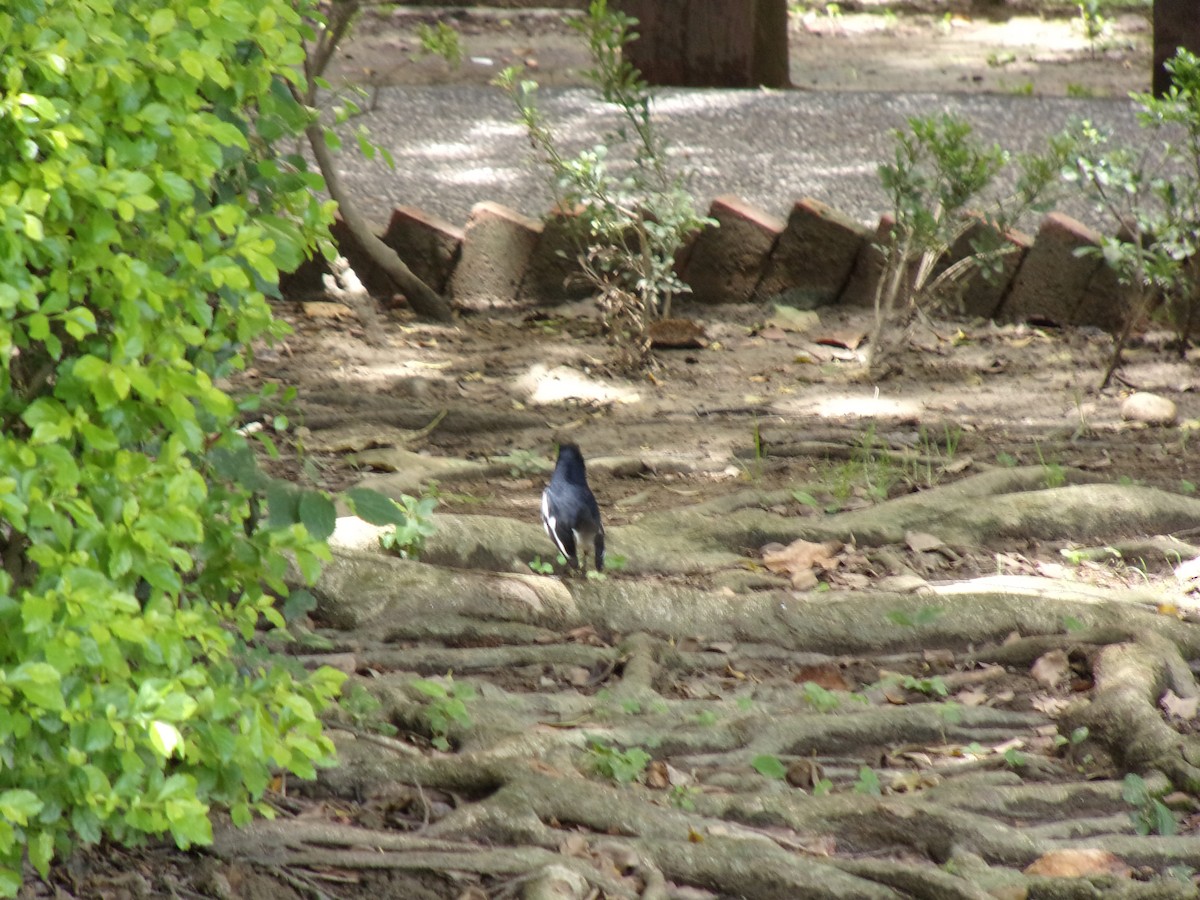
[570, 512]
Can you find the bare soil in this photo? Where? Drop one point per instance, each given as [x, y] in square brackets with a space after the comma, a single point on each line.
[987, 47]
[775, 420]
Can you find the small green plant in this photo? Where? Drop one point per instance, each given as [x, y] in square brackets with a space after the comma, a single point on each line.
[1154, 202]
[822, 788]
[446, 707]
[950, 712]
[926, 615]
[940, 173]
[938, 453]
[1014, 758]
[1006, 460]
[441, 40]
[819, 698]
[769, 766]
[1096, 26]
[631, 214]
[362, 709]
[1082, 91]
[615, 562]
[683, 796]
[522, 463]
[1071, 625]
[1076, 738]
[868, 782]
[706, 717]
[621, 766]
[1186, 487]
[407, 538]
[1053, 474]
[932, 687]
[1150, 815]
[541, 566]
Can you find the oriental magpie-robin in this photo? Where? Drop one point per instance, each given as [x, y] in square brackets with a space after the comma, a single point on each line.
[570, 512]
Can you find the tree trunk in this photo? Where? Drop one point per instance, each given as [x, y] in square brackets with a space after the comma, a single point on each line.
[710, 43]
[1176, 24]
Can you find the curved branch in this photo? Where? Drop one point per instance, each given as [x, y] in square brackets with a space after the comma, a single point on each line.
[423, 299]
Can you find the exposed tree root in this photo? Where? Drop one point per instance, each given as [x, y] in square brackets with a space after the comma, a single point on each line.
[768, 777]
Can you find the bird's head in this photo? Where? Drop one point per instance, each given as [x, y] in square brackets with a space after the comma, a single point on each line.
[570, 459]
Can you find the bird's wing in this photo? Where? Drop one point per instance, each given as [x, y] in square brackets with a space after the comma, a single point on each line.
[560, 531]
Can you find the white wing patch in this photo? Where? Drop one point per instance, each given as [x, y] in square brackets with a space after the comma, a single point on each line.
[551, 524]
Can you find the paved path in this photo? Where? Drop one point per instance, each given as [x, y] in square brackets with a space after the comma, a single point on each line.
[455, 146]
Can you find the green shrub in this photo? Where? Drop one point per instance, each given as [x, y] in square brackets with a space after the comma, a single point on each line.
[942, 183]
[1154, 201]
[633, 212]
[144, 217]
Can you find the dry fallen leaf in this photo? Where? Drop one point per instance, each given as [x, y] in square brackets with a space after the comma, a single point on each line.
[799, 558]
[827, 676]
[657, 775]
[1051, 668]
[804, 773]
[971, 697]
[1051, 706]
[920, 542]
[1078, 864]
[939, 657]
[842, 338]
[1179, 707]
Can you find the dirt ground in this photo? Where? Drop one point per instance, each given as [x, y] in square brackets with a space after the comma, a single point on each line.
[769, 409]
[831, 48]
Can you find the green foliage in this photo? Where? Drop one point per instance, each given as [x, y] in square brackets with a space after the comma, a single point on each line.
[819, 698]
[1150, 815]
[931, 687]
[1014, 758]
[1053, 474]
[769, 766]
[926, 615]
[524, 462]
[633, 212]
[621, 766]
[407, 537]
[683, 796]
[1071, 625]
[144, 218]
[938, 176]
[446, 707]
[1154, 200]
[542, 567]
[362, 709]
[441, 40]
[868, 782]
[1093, 23]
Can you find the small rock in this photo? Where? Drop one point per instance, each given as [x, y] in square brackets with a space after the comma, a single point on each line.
[1151, 409]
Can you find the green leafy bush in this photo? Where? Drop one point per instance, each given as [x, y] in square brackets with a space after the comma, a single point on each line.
[406, 537]
[942, 184]
[447, 705]
[1154, 201]
[621, 766]
[633, 211]
[144, 217]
